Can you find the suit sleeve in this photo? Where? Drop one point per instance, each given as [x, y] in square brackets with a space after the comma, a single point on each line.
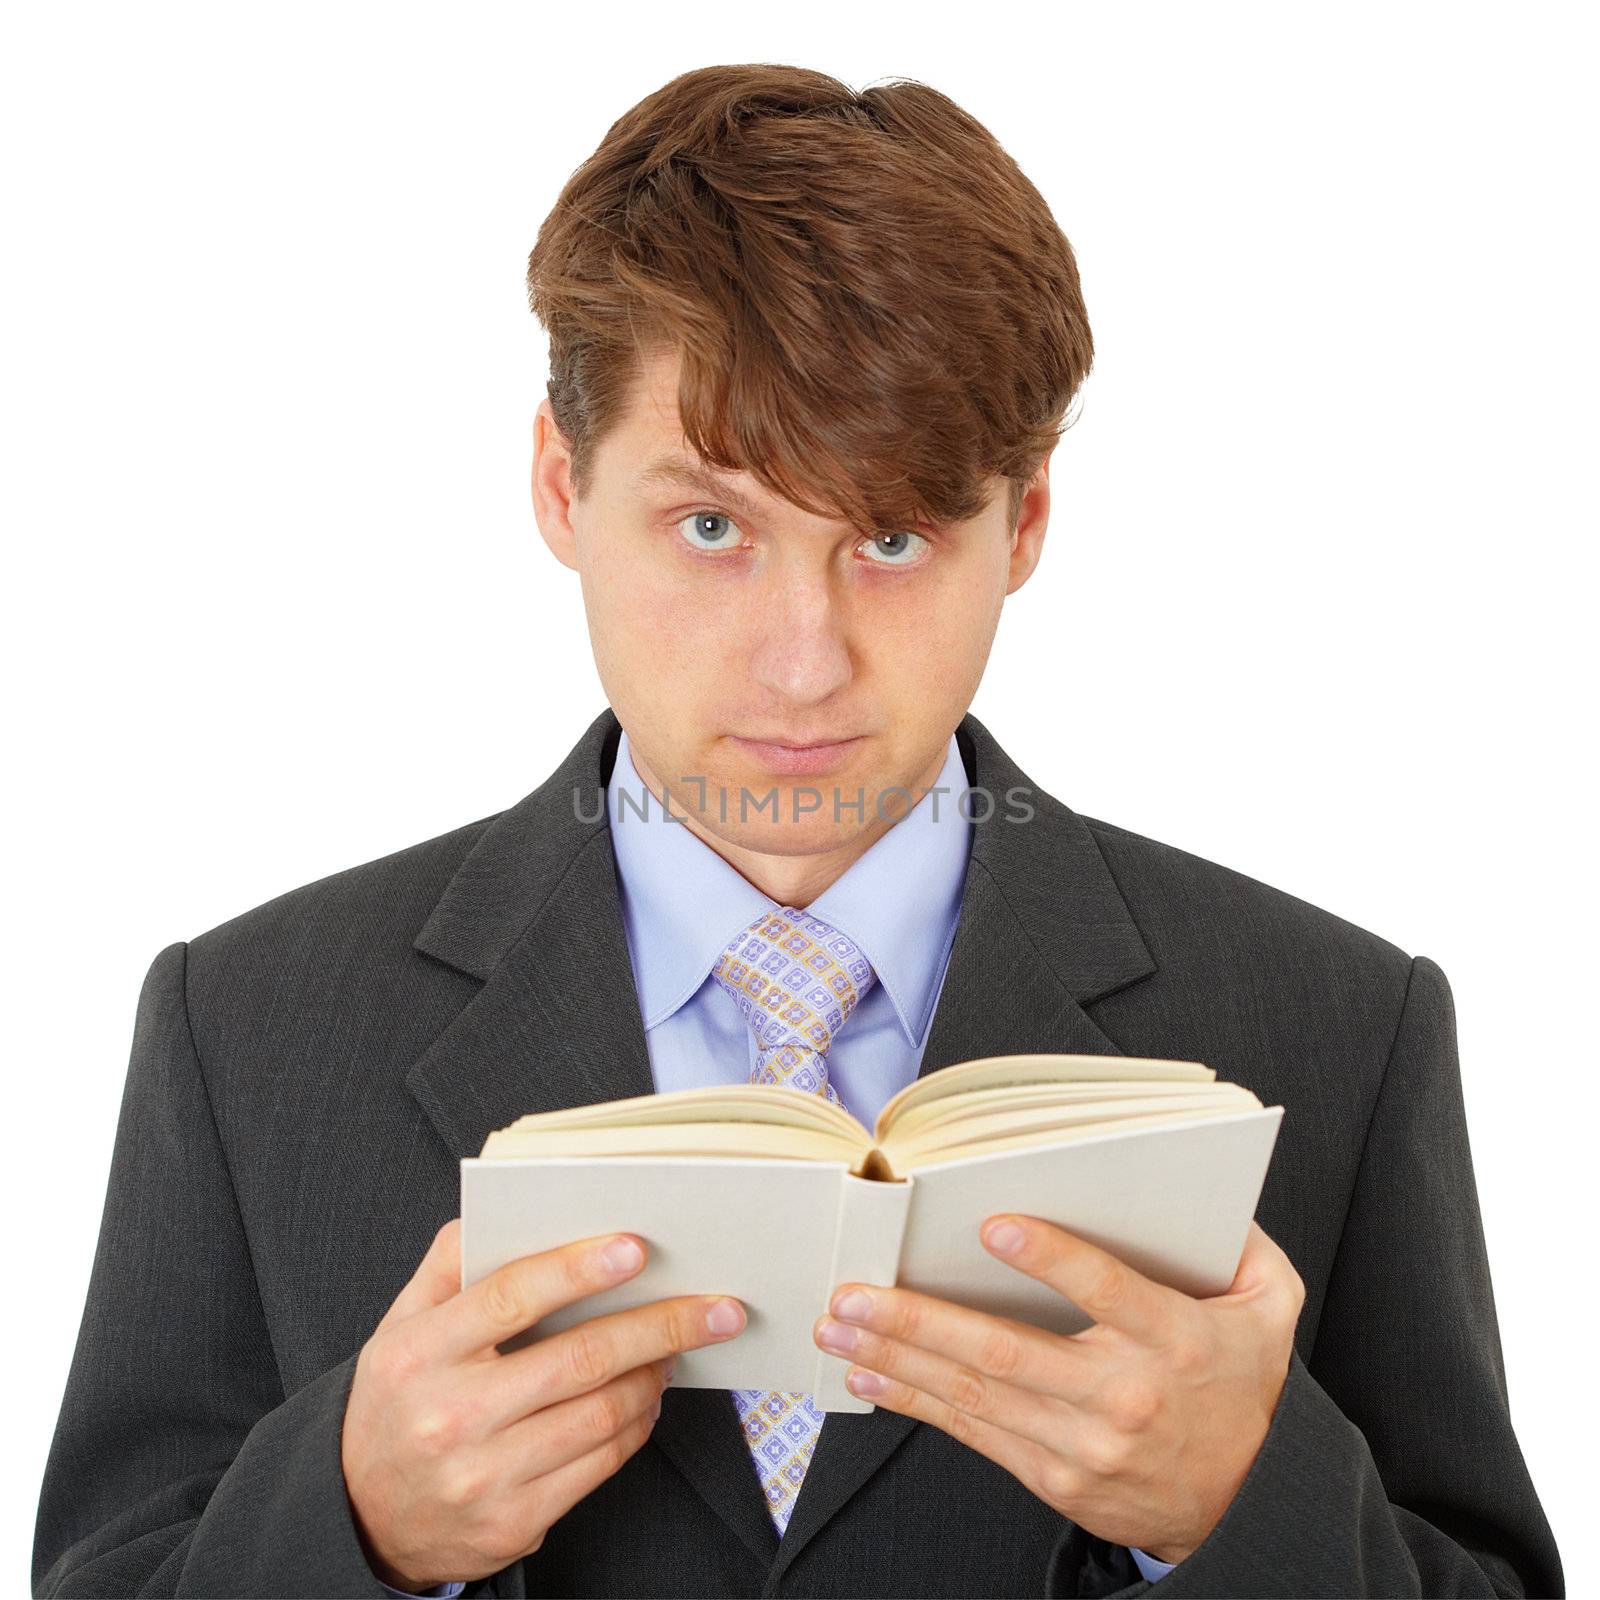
[1390, 1466]
[179, 1466]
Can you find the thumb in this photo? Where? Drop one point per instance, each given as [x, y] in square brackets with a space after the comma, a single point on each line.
[1265, 1268]
[437, 1278]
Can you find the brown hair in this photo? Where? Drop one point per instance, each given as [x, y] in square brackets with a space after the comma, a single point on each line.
[871, 303]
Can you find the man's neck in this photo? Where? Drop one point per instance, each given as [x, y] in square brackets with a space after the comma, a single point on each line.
[791, 880]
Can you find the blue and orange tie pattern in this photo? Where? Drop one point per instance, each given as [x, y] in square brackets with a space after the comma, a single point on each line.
[795, 979]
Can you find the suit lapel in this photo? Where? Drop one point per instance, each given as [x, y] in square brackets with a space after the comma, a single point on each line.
[534, 913]
[1042, 930]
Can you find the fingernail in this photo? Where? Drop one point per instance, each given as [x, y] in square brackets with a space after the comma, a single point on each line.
[621, 1255]
[866, 1384]
[853, 1307]
[1005, 1238]
[726, 1316]
[835, 1336]
[672, 1366]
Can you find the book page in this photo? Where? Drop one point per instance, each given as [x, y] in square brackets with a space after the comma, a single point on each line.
[1000, 1071]
[947, 1109]
[1042, 1125]
[732, 1102]
[919, 1157]
[695, 1139]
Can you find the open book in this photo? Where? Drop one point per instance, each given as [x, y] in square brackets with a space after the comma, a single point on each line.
[776, 1196]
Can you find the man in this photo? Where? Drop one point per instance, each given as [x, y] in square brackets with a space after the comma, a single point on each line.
[810, 351]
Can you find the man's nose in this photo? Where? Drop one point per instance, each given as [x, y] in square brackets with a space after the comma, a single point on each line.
[800, 650]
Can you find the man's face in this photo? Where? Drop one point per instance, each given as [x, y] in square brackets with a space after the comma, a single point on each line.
[723, 618]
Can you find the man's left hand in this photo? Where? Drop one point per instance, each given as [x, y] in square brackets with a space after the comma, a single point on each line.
[1140, 1429]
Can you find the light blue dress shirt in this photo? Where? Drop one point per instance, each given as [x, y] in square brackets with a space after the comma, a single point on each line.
[682, 904]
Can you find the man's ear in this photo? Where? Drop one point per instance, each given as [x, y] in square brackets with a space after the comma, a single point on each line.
[552, 486]
[1033, 515]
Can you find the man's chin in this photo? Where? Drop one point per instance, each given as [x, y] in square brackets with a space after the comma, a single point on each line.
[792, 815]
[816, 834]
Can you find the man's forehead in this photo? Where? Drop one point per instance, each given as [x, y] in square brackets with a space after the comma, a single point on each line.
[660, 457]
[654, 398]
[739, 492]
[675, 470]
[653, 433]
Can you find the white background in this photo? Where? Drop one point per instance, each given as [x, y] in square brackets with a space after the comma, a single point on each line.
[1313, 602]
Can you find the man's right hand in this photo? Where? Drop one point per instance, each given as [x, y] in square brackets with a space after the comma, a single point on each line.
[457, 1459]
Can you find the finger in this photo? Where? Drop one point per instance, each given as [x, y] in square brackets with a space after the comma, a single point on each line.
[528, 1509]
[437, 1278]
[1265, 1271]
[1020, 1457]
[538, 1445]
[514, 1297]
[592, 1353]
[549, 1498]
[1262, 1261]
[1105, 1289]
[1039, 1416]
[997, 1347]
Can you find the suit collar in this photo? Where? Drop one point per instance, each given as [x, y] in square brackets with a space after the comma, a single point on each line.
[1049, 868]
[534, 913]
[520, 858]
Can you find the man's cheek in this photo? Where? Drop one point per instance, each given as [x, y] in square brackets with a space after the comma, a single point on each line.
[693, 636]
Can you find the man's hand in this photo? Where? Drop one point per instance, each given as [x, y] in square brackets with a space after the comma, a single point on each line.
[457, 1459]
[1140, 1429]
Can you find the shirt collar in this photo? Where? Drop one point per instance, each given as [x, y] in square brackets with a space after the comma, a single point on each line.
[682, 903]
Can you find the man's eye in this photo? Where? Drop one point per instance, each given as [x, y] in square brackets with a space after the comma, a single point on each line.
[709, 530]
[897, 549]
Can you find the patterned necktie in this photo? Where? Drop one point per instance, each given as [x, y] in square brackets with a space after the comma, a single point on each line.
[796, 979]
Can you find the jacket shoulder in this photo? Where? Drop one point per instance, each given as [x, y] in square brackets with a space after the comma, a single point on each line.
[1299, 1004]
[1183, 901]
[375, 907]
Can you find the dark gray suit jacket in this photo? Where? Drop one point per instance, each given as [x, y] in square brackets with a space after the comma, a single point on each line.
[305, 1077]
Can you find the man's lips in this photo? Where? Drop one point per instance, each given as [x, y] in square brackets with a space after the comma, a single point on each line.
[787, 756]
[791, 741]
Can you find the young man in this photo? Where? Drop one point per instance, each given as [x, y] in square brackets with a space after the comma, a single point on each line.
[810, 352]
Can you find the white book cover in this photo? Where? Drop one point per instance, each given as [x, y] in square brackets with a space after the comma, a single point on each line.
[1173, 1201]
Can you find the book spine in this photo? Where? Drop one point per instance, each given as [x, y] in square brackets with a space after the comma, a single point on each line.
[866, 1249]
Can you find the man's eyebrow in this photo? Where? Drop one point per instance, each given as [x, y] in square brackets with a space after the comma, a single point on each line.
[685, 475]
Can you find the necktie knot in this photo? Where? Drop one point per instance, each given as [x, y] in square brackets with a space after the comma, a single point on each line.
[796, 979]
